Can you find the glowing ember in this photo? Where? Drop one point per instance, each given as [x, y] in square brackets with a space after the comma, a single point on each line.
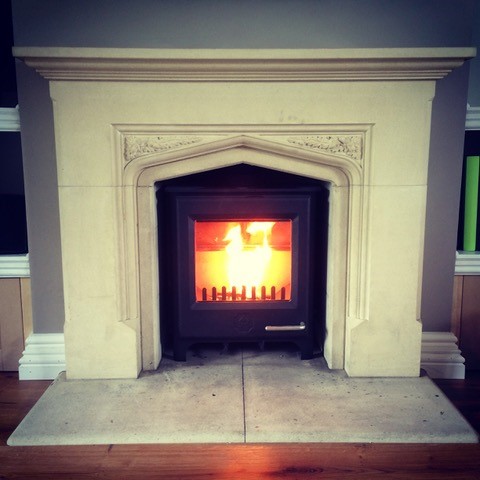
[249, 255]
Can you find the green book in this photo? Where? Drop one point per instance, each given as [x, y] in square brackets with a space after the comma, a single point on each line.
[471, 203]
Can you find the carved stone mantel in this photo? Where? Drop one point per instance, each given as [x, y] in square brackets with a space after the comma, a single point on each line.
[312, 65]
[357, 119]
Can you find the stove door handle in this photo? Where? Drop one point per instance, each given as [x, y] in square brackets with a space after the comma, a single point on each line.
[285, 328]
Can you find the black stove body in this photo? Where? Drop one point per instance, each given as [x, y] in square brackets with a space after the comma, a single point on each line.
[203, 305]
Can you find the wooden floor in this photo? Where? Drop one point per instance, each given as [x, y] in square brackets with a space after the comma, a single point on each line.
[236, 461]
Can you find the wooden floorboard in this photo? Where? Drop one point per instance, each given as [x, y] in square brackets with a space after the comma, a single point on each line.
[235, 461]
[16, 400]
[243, 461]
[465, 395]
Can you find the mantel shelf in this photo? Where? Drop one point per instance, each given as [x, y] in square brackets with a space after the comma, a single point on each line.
[285, 65]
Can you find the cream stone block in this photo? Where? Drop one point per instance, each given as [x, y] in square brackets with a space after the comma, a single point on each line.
[98, 347]
[90, 243]
[396, 248]
[373, 351]
[398, 146]
[99, 336]
[401, 157]
[387, 341]
[83, 141]
[87, 155]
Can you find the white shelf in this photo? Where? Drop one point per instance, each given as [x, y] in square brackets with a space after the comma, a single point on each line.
[9, 120]
[473, 118]
[467, 263]
[14, 266]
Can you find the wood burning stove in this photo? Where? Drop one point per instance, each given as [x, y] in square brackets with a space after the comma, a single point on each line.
[241, 263]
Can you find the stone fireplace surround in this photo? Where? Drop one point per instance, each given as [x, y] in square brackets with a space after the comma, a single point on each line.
[357, 119]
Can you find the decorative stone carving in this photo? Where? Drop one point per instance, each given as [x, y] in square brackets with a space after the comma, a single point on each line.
[351, 146]
[348, 145]
[135, 146]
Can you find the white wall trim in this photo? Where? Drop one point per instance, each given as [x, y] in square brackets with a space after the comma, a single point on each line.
[441, 357]
[43, 357]
[14, 266]
[467, 263]
[9, 120]
[473, 118]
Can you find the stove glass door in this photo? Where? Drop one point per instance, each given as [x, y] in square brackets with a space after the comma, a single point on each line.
[243, 261]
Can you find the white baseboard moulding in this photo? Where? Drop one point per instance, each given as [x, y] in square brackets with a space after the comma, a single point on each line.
[467, 263]
[441, 357]
[44, 356]
[14, 266]
[472, 121]
[9, 119]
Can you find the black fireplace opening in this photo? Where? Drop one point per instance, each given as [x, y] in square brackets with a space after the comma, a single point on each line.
[242, 254]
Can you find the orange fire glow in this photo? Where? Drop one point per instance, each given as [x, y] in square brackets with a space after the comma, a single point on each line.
[240, 261]
[247, 264]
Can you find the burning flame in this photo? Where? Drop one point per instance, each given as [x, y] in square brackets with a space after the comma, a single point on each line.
[248, 254]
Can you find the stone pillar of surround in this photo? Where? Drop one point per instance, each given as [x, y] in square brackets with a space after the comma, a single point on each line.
[107, 197]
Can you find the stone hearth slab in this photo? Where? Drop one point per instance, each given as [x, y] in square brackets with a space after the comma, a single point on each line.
[181, 402]
[321, 405]
[243, 395]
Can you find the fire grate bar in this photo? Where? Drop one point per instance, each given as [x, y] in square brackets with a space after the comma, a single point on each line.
[224, 295]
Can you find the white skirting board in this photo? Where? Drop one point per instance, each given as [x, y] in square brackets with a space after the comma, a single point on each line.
[441, 357]
[44, 356]
[14, 266]
[467, 263]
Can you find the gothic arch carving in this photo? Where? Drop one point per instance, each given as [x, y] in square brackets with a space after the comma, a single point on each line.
[337, 158]
[192, 154]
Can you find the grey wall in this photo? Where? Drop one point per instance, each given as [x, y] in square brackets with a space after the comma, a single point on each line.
[40, 176]
[443, 199]
[474, 80]
[243, 24]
